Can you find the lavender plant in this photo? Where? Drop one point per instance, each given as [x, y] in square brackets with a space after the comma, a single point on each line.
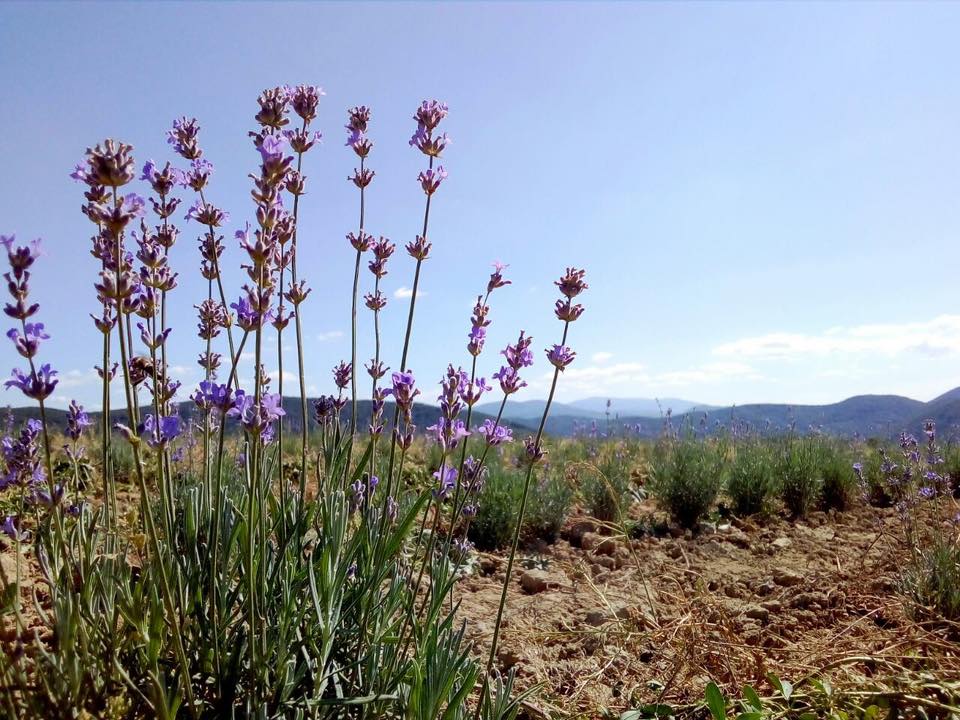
[245, 585]
[929, 521]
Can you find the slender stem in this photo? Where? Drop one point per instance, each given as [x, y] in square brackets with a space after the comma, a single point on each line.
[299, 334]
[516, 533]
[406, 339]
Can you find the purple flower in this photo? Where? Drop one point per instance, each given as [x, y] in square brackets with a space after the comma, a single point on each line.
[572, 284]
[430, 113]
[272, 147]
[496, 277]
[342, 374]
[419, 249]
[519, 356]
[42, 496]
[198, 175]
[403, 389]
[447, 432]
[392, 509]
[360, 143]
[20, 257]
[567, 311]
[153, 341]
[361, 242]
[77, 420]
[21, 456]
[11, 529]
[429, 144]
[324, 408]
[533, 450]
[37, 385]
[359, 116]
[183, 137]
[211, 396]
[560, 356]
[471, 392]
[477, 336]
[161, 432]
[206, 214]
[357, 491]
[28, 344]
[256, 419]
[510, 381]
[447, 480]
[494, 433]
[431, 178]
[304, 99]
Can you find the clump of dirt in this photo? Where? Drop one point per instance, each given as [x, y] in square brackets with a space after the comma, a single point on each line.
[608, 623]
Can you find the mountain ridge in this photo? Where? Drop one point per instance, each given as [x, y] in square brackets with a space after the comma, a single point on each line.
[864, 415]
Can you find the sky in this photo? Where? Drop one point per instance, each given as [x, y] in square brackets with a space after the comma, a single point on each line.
[764, 196]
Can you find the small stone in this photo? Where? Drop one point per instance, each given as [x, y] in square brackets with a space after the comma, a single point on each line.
[773, 606]
[596, 617]
[608, 547]
[787, 578]
[534, 581]
[488, 565]
[578, 530]
[591, 540]
[604, 561]
[782, 543]
[757, 612]
[766, 588]
[738, 538]
[674, 552]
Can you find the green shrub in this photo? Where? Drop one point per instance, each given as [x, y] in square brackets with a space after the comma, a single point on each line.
[875, 487]
[839, 478]
[606, 483]
[549, 505]
[951, 467]
[932, 579]
[752, 480]
[801, 474]
[687, 475]
[492, 528]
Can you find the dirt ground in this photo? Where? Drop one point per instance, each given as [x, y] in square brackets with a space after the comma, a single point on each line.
[603, 624]
[734, 602]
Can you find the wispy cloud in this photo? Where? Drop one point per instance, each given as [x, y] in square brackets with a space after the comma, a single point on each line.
[331, 335]
[635, 378]
[936, 337]
[404, 292]
[601, 357]
[707, 373]
[78, 378]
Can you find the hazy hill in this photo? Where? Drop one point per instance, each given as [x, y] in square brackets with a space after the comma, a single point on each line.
[866, 415]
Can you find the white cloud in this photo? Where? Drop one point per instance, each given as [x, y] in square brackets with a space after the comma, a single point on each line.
[708, 373]
[78, 378]
[601, 357]
[403, 292]
[331, 335]
[288, 377]
[634, 378]
[593, 378]
[936, 337]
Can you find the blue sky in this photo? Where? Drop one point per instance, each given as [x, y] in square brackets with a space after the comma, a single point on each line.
[765, 196]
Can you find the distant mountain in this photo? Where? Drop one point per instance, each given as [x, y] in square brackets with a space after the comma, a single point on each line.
[867, 415]
[637, 407]
[423, 415]
[532, 410]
